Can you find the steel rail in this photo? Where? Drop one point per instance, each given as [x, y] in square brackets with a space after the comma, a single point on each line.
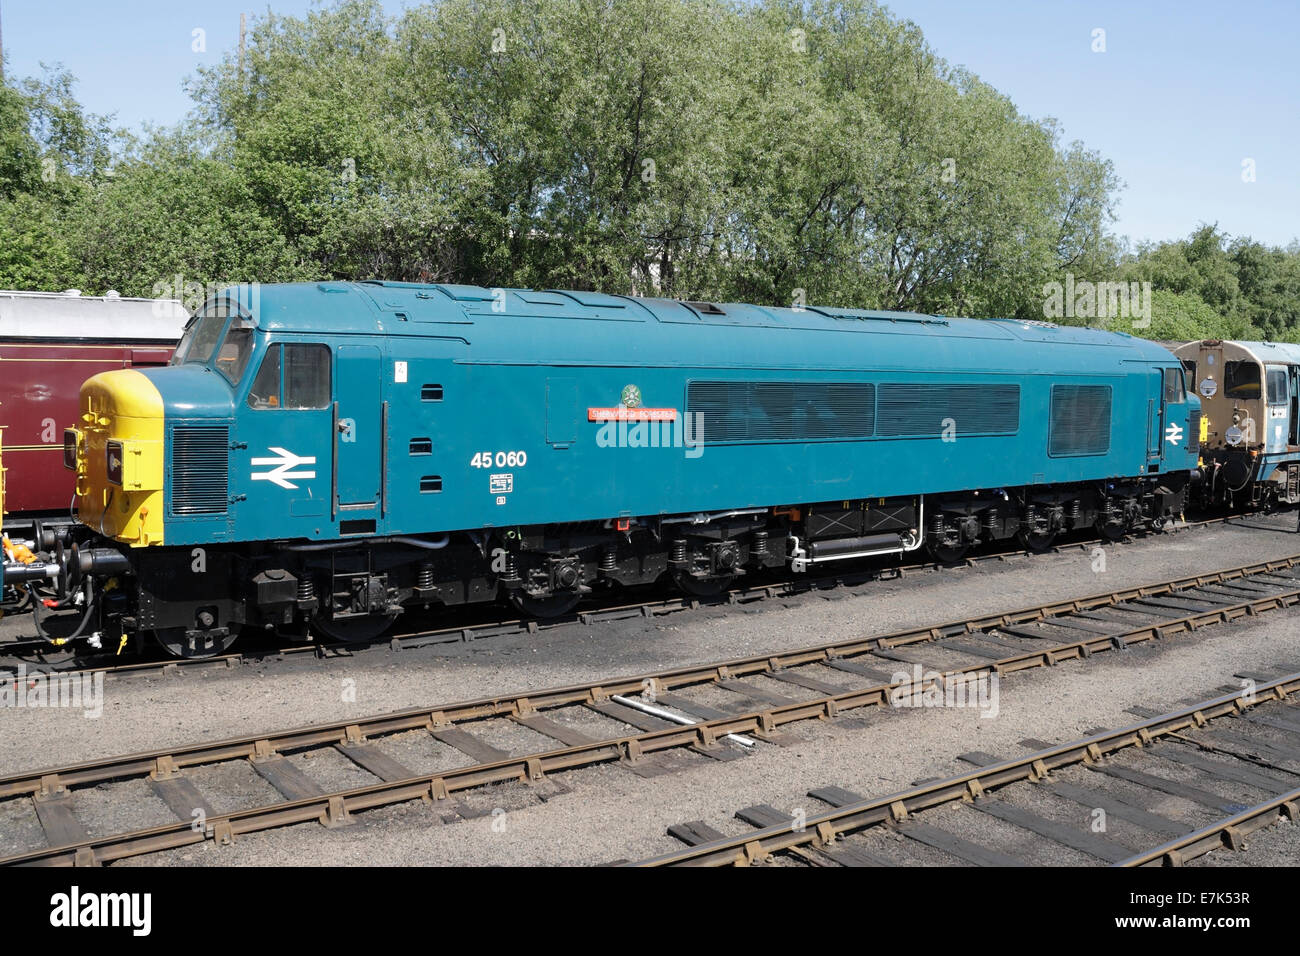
[526, 702]
[1229, 832]
[823, 829]
[335, 807]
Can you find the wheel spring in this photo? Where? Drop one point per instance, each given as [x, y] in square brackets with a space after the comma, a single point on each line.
[679, 549]
[425, 579]
[306, 588]
[1073, 511]
[758, 547]
[609, 560]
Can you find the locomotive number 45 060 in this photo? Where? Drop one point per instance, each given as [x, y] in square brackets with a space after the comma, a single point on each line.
[499, 459]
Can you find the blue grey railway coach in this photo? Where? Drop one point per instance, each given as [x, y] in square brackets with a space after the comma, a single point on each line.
[1250, 427]
[325, 455]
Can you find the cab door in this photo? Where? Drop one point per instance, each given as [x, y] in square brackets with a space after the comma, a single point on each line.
[1293, 382]
[1168, 414]
[1178, 440]
[1278, 407]
[360, 419]
[282, 428]
[1155, 418]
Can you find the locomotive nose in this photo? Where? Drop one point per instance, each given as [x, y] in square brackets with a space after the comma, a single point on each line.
[116, 449]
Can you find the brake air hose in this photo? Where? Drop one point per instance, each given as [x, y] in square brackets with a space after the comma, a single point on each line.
[37, 604]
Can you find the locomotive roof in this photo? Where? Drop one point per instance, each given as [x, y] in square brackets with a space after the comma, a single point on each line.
[1283, 353]
[574, 327]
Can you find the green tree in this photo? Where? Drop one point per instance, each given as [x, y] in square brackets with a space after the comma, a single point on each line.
[170, 212]
[20, 154]
[351, 176]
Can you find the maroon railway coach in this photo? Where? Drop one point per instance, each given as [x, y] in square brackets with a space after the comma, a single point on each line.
[49, 344]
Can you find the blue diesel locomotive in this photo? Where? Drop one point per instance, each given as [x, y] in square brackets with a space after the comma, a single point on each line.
[326, 455]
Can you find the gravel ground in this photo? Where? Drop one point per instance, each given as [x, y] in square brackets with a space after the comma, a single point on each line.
[612, 813]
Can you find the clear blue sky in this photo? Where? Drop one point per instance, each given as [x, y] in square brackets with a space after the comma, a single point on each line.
[1183, 94]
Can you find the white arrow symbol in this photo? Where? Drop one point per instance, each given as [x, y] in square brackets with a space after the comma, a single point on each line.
[1173, 433]
[284, 461]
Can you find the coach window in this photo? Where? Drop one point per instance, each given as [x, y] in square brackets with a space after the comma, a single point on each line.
[1241, 379]
[1277, 386]
[292, 376]
[1174, 386]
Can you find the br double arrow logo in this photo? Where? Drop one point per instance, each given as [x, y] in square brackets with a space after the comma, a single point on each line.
[1174, 434]
[284, 462]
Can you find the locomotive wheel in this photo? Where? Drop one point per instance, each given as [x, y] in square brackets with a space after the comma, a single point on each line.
[175, 643]
[702, 587]
[557, 605]
[1036, 541]
[354, 630]
[948, 554]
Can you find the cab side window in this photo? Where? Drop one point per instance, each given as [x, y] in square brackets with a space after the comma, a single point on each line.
[292, 375]
[1174, 386]
[1277, 386]
[306, 376]
[265, 390]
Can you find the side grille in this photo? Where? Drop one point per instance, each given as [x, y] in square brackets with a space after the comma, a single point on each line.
[933, 410]
[781, 411]
[1194, 433]
[200, 469]
[1080, 422]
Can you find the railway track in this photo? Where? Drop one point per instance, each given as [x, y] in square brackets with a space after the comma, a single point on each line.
[473, 625]
[1163, 791]
[646, 723]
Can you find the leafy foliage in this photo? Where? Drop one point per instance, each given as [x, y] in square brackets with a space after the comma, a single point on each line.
[777, 151]
[1220, 287]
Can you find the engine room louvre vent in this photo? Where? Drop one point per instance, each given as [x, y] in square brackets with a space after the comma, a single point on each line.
[200, 469]
[1080, 421]
[1194, 433]
[926, 411]
[781, 411]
